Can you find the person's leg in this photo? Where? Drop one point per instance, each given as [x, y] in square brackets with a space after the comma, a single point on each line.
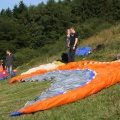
[68, 52]
[73, 55]
[70, 55]
[10, 70]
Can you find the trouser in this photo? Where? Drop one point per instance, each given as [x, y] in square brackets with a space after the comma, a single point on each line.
[68, 52]
[9, 70]
[72, 54]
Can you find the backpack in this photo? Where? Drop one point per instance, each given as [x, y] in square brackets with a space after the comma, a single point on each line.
[64, 57]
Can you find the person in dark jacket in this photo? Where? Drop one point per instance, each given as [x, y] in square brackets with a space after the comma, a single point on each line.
[9, 62]
[72, 44]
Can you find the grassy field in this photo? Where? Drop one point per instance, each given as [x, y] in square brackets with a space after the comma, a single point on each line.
[105, 105]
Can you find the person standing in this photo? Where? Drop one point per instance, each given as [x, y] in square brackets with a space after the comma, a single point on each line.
[67, 40]
[72, 44]
[9, 62]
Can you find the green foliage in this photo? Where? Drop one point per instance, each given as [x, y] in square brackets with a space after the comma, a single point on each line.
[105, 105]
[41, 27]
[25, 55]
[6, 46]
[91, 27]
[115, 45]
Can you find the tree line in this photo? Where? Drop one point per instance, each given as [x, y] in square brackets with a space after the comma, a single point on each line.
[35, 27]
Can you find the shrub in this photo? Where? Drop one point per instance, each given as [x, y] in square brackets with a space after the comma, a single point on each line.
[25, 55]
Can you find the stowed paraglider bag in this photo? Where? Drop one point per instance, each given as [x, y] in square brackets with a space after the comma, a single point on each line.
[64, 57]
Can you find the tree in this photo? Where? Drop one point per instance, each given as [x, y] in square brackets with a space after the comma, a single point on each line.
[8, 13]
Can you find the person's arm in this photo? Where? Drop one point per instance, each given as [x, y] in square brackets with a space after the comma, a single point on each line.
[13, 58]
[76, 41]
[68, 33]
[68, 44]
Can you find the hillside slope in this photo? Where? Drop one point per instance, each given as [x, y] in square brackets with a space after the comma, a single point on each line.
[110, 38]
[104, 105]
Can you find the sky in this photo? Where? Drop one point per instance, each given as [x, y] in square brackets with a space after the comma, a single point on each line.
[4, 4]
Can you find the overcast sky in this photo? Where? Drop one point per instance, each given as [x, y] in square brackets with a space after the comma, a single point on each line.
[4, 4]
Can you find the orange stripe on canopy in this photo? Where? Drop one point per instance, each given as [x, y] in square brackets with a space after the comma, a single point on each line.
[69, 66]
[1, 68]
[107, 74]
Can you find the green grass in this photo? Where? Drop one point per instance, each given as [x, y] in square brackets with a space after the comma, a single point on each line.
[104, 105]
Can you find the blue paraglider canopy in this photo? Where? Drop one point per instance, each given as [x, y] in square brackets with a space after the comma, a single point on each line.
[85, 50]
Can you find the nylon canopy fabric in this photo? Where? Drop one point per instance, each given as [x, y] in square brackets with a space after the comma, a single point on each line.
[63, 81]
[48, 66]
[1, 68]
[105, 75]
[3, 73]
[69, 66]
[83, 51]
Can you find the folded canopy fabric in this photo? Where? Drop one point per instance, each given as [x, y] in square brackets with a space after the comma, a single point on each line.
[83, 51]
[97, 75]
